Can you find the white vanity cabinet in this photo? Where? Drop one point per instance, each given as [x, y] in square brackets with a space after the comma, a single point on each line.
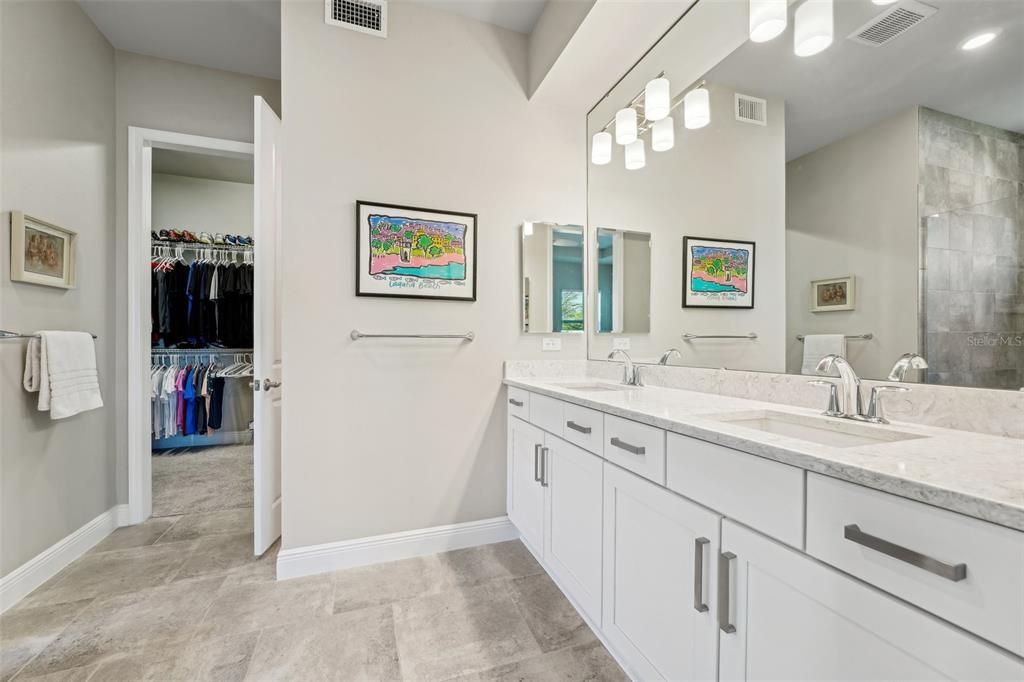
[785, 616]
[659, 549]
[525, 500]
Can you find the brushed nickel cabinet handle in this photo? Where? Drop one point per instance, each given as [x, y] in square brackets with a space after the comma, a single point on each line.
[515, 403]
[576, 427]
[536, 462]
[724, 563]
[698, 575]
[622, 445]
[954, 572]
[544, 467]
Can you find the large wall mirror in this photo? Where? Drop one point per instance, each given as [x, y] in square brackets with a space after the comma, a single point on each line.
[553, 298]
[622, 268]
[874, 163]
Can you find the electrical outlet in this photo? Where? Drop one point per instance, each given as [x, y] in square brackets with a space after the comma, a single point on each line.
[620, 343]
[551, 343]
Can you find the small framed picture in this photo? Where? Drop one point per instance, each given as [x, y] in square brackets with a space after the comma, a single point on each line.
[828, 295]
[41, 252]
[411, 252]
[718, 273]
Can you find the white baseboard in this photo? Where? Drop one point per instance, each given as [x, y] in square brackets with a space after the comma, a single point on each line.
[333, 556]
[17, 584]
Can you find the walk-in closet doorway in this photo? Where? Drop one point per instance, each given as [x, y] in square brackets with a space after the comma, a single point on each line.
[218, 355]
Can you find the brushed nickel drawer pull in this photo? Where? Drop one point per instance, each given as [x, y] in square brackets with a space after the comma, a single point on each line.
[724, 563]
[576, 427]
[515, 403]
[544, 467]
[536, 462]
[954, 572]
[622, 445]
[698, 575]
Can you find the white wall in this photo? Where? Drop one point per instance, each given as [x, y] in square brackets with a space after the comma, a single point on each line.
[382, 436]
[555, 28]
[726, 180]
[165, 95]
[844, 216]
[201, 205]
[57, 164]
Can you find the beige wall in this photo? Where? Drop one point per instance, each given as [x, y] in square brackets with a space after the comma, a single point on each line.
[851, 208]
[165, 95]
[201, 205]
[57, 152]
[382, 436]
[555, 28]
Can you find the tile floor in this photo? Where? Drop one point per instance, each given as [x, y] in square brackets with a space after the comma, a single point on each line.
[182, 598]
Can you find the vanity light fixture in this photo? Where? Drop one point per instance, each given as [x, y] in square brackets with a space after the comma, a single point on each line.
[812, 27]
[663, 135]
[980, 40]
[657, 100]
[635, 157]
[768, 19]
[625, 126]
[601, 148]
[697, 108]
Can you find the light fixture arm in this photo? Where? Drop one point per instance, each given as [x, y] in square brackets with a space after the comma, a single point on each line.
[643, 125]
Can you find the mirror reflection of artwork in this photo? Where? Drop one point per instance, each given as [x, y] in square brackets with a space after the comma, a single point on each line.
[623, 281]
[41, 253]
[719, 273]
[832, 294]
[409, 252]
[552, 278]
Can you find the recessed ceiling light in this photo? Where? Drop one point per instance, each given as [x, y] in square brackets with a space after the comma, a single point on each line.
[977, 41]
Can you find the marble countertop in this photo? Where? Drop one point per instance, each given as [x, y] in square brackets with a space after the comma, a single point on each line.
[974, 474]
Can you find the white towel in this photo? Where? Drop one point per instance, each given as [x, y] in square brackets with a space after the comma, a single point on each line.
[817, 346]
[61, 366]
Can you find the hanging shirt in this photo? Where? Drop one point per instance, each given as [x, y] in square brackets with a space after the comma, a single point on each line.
[190, 402]
[156, 381]
[179, 384]
[216, 385]
[170, 395]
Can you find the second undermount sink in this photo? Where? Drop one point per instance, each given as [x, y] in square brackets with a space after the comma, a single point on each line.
[594, 386]
[836, 433]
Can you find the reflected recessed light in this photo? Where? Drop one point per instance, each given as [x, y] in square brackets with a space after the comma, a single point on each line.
[977, 41]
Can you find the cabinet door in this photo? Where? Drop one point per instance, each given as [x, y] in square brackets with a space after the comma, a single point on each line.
[572, 521]
[525, 498]
[658, 608]
[785, 616]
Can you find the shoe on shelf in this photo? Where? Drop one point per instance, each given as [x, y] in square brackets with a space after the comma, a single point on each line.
[205, 238]
[155, 236]
[218, 238]
[174, 235]
[188, 236]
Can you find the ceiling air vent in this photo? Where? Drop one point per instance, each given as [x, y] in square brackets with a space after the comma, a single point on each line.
[751, 109]
[892, 23]
[365, 16]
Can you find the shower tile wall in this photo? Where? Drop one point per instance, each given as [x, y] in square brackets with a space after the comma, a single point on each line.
[971, 197]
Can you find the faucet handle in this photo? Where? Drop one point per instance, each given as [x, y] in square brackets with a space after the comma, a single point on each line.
[876, 412]
[833, 397]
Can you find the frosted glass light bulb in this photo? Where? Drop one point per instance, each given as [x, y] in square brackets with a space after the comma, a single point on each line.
[768, 19]
[601, 148]
[657, 100]
[697, 108]
[663, 135]
[635, 157]
[812, 27]
[625, 126]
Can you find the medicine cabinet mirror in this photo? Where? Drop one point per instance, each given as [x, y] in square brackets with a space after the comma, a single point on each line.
[553, 295]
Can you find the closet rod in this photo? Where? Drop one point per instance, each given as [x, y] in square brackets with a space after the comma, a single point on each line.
[199, 351]
[356, 335]
[15, 335]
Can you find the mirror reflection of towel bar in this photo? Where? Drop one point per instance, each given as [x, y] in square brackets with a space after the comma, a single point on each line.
[848, 337]
[689, 337]
[356, 335]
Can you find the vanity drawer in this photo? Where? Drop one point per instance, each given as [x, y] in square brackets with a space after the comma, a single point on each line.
[759, 493]
[546, 413]
[964, 570]
[518, 403]
[634, 446]
[583, 427]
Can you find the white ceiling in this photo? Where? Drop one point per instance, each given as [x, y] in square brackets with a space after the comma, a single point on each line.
[515, 15]
[208, 167]
[851, 86]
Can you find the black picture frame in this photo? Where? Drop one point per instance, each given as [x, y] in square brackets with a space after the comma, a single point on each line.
[360, 255]
[686, 279]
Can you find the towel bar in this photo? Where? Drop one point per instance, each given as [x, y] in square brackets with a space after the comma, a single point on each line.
[15, 335]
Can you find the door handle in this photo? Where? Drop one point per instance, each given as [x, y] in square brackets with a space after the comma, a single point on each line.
[268, 384]
[536, 462]
[576, 427]
[724, 563]
[544, 467]
[698, 575]
[623, 445]
[954, 572]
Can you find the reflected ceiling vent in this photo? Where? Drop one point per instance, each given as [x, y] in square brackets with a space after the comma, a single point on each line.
[892, 23]
[365, 16]
[751, 109]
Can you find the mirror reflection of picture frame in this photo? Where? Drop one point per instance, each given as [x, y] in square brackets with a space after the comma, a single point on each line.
[830, 295]
[718, 273]
[41, 252]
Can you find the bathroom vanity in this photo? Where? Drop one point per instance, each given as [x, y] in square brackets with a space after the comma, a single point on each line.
[708, 537]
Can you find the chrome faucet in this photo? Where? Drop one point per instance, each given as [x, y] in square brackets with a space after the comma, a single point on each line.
[851, 403]
[667, 355]
[630, 376]
[907, 361]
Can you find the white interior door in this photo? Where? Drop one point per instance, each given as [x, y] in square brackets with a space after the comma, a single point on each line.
[267, 332]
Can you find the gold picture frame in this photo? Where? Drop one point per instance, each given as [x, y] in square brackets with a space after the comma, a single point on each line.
[41, 252]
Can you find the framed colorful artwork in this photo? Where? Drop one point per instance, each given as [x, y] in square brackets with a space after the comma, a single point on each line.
[718, 273]
[41, 252]
[838, 293]
[410, 252]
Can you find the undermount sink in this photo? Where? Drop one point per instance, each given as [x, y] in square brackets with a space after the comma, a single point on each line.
[594, 386]
[835, 433]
